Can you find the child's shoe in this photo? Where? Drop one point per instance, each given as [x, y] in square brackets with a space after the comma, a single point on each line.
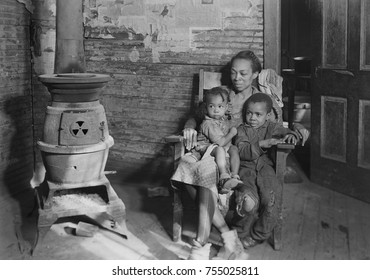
[199, 252]
[232, 249]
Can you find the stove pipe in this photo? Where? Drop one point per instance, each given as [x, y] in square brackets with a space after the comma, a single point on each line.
[69, 49]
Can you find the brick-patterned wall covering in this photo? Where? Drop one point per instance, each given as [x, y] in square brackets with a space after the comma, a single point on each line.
[153, 50]
[16, 149]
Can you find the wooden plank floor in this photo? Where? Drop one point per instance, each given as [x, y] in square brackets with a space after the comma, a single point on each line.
[318, 224]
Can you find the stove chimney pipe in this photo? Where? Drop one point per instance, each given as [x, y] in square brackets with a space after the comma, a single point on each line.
[69, 49]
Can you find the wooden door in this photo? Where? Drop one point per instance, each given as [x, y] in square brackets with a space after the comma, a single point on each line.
[340, 143]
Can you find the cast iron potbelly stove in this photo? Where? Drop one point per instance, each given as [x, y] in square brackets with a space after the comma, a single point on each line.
[76, 140]
[74, 150]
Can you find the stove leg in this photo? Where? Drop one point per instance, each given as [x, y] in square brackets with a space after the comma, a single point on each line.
[44, 223]
[117, 211]
[41, 233]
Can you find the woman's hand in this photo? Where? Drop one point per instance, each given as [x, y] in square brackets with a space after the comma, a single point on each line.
[190, 136]
[303, 134]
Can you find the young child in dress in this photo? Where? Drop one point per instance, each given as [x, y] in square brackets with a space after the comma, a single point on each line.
[215, 135]
[254, 139]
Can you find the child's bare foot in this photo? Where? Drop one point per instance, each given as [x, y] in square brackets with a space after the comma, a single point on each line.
[227, 183]
[236, 176]
[249, 242]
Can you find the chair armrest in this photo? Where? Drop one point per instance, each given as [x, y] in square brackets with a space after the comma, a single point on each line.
[285, 146]
[174, 138]
[178, 148]
[282, 152]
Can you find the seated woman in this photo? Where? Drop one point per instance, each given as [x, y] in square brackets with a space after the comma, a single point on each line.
[201, 177]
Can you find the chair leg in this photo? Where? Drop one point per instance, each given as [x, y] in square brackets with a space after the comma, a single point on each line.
[276, 239]
[277, 236]
[177, 216]
[283, 151]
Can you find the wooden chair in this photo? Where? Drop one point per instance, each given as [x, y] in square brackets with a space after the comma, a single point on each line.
[208, 80]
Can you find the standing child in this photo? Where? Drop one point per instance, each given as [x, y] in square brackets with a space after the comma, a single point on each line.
[254, 139]
[215, 135]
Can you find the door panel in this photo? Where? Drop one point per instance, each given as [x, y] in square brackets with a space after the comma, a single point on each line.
[335, 15]
[364, 135]
[340, 145]
[365, 35]
[333, 130]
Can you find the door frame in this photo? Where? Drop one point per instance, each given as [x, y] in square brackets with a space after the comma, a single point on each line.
[272, 34]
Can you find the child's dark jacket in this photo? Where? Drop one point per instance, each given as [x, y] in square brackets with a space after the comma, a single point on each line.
[247, 141]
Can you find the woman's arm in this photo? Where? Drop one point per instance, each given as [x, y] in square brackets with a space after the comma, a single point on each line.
[190, 136]
[191, 123]
[277, 112]
[284, 134]
[189, 132]
[302, 132]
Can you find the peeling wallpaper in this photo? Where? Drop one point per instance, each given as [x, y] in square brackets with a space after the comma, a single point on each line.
[28, 5]
[171, 25]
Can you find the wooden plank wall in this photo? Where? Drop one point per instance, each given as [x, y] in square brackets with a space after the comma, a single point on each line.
[16, 150]
[154, 78]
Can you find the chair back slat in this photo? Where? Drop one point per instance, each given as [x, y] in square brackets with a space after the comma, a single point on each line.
[208, 80]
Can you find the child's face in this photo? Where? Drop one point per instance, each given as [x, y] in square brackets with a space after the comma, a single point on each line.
[216, 107]
[257, 114]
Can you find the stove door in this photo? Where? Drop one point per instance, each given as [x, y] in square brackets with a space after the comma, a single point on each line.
[80, 128]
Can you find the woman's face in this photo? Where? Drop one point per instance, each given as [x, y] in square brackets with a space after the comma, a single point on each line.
[242, 74]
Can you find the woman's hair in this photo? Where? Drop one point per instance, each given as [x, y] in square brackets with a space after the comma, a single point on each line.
[217, 91]
[249, 55]
[255, 98]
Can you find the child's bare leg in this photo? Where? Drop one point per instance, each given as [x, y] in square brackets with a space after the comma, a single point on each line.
[234, 161]
[207, 206]
[219, 221]
[220, 157]
[192, 191]
[226, 183]
[208, 213]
